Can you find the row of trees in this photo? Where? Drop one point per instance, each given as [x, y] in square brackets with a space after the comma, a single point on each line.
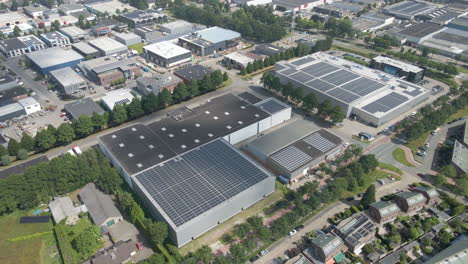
[423, 61]
[257, 23]
[53, 137]
[308, 103]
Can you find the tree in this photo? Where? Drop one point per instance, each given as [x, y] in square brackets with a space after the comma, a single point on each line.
[287, 90]
[56, 25]
[157, 232]
[17, 32]
[368, 162]
[369, 196]
[109, 180]
[87, 242]
[444, 236]
[337, 115]
[325, 108]
[225, 76]
[65, 134]
[3, 151]
[149, 103]
[243, 71]
[180, 92]
[448, 171]
[310, 102]
[25, 3]
[192, 88]
[99, 120]
[250, 68]
[45, 140]
[204, 254]
[414, 232]
[13, 147]
[134, 109]
[84, 125]
[6, 160]
[238, 253]
[439, 179]
[27, 142]
[14, 5]
[297, 95]
[217, 77]
[22, 154]
[119, 114]
[165, 98]
[368, 249]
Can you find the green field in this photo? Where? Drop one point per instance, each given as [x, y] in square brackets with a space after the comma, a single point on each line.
[399, 155]
[25, 250]
[390, 167]
[138, 47]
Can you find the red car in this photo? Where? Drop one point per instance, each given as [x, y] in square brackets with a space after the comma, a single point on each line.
[139, 245]
[62, 114]
[421, 174]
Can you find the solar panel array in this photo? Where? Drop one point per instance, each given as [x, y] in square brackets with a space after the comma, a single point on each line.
[303, 61]
[271, 106]
[291, 158]
[193, 183]
[340, 84]
[386, 103]
[317, 141]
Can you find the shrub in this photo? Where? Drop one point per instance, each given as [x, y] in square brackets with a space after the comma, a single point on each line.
[22, 154]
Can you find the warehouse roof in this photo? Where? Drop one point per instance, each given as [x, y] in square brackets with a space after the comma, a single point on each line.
[183, 130]
[100, 206]
[385, 207]
[217, 34]
[10, 108]
[166, 49]
[81, 107]
[442, 15]
[460, 156]
[272, 105]
[239, 58]
[67, 76]
[461, 21]
[412, 198]
[420, 30]
[73, 31]
[35, 8]
[53, 56]
[193, 72]
[21, 42]
[107, 44]
[126, 36]
[189, 185]
[143, 14]
[290, 4]
[53, 35]
[249, 97]
[85, 48]
[408, 8]
[117, 97]
[177, 24]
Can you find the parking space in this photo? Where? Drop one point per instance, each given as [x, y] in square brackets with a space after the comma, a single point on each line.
[123, 231]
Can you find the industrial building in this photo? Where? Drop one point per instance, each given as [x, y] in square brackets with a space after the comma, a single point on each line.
[408, 72]
[209, 41]
[74, 33]
[407, 10]
[85, 50]
[55, 39]
[7, 82]
[383, 212]
[30, 105]
[449, 42]
[166, 54]
[69, 9]
[22, 107]
[45, 61]
[295, 5]
[148, 34]
[417, 33]
[70, 82]
[157, 83]
[12, 18]
[105, 70]
[108, 6]
[127, 39]
[21, 45]
[143, 18]
[192, 73]
[237, 60]
[268, 49]
[81, 107]
[108, 46]
[294, 149]
[460, 23]
[176, 27]
[184, 168]
[372, 21]
[370, 96]
[356, 231]
[35, 10]
[117, 97]
[441, 16]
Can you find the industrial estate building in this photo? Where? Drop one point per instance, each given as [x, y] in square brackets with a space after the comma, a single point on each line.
[85, 50]
[21, 45]
[186, 171]
[166, 54]
[108, 46]
[20, 108]
[194, 72]
[127, 39]
[70, 82]
[74, 33]
[408, 9]
[7, 82]
[117, 97]
[417, 33]
[409, 72]
[143, 18]
[157, 83]
[45, 61]
[105, 70]
[209, 41]
[295, 148]
[364, 94]
[176, 27]
[81, 107]
[55, 39]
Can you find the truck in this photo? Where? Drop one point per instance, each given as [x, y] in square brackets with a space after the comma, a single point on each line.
[145, 69]
[77, 150]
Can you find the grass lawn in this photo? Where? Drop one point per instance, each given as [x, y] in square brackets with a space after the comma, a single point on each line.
[75, 230]
[359, 139]
[399, 155]
[390, 167]
[460, 113]
[216, 233]
[225, 83]
[42, 249]
[420, 141]
[138, 47]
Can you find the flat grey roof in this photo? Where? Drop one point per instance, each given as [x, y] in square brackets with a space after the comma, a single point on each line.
[460, 156]
[85, 48]
[420, 30]
[193, 72]
[217, 34]
[53, 56]
[67, 76]
[73, 31]
[409, 8]
[107, 44]
[81, 107]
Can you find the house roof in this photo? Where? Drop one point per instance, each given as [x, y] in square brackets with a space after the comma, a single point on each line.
[385, 208]
[117, 254]
[457, 253]
[327, 243]
[62, 207]
[100, 206]
[412, 198]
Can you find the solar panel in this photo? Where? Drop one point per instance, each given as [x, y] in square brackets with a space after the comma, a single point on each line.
[188, 185]
[291, 158]
[303, 61]
[319, 69]
[288, 71]
[271, 106]
[386, 103]
[317, 141]
[319, 85]
[343, 95]
[301, 77]
[340, 77]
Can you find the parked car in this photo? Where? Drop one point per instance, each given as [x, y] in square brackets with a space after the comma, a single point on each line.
[299, 227]
[349, 199]
[422, 148]
[63, 114]
[381, 181]
[292, 232]
[264, 252]
[421, 174]
[390, 177]
[254, 258]
[427, 145]
[139, 245]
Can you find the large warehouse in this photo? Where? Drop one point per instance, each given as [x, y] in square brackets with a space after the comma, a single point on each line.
[408, 9]
[108, 46]
[167, 54]
[186, 171]
[209, 41]
[45, 61]
[370, 96]
[295, 148]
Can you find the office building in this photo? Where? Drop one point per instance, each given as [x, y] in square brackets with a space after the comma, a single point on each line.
[21, 45]
[55, 39]
[166, 54]
[209, 41]
[70, 82]
[157, 83]
[108, 46]
[365, 94]
[408, 72]
[143, 18]
[184, 168]
[105, 70]
[45, 61]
